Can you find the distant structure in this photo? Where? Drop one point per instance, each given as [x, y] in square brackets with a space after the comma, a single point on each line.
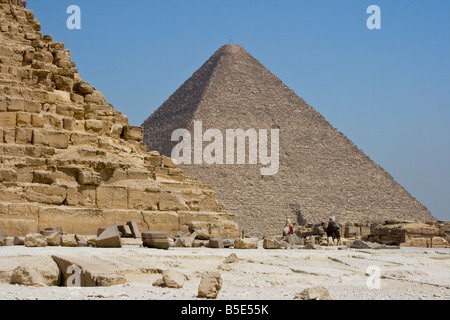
[321, 171]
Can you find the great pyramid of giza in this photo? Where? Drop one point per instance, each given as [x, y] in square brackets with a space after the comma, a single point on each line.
[320, 170]
[69, 159]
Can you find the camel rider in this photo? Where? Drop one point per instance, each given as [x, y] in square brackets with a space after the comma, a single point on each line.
[332, 224]
[288, 227]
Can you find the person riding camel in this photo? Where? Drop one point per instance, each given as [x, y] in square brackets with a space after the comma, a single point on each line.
[288, 227]
[332, 224]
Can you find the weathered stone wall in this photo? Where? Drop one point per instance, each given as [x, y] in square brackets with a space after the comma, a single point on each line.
[321, 171]
[68, 158]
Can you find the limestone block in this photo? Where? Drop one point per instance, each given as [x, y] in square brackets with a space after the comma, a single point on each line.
[245, 243]
[231, 230]
[109, 197]
[81, 241]
[152, 235]
[173, 279]
[135, 233]
[45, 177]
[9, 135]
[155, 161]
[133, 133]
[89, 178]
[116, 130]
[83, 88]
[62, 96]
[125, 231]
[168, 162]
[351, 232]
[93, 271]
[72, 220]
[8, 175]
[206, 230]
[15, 105]
[215, 243]
[32, 106]
[54, 238]
[271, 243]
[121, 119]
[46, 194]
[109, 238]
[19, 241]
[39, 272]
[68, 240]
[64, 109]
[122, 216]
[37, 121]
[162, 221]
[314, 293]
[146, 200]
[210, 285]
[23, 119]
[78, 139]
[8, 119]
[95, 97]
[156, 243]
[93, 125]
[35, 240]
[168, 201]
[3, 104]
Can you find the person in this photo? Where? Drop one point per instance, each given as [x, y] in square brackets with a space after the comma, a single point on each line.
[289, 225]
[332, 224]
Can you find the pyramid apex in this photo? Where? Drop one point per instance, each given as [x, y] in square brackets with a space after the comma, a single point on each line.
[232, 49]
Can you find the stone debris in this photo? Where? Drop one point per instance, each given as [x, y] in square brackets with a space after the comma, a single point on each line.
[69, 240]
[19, 241]
[135, 233]
[155, 239]
[232, 258]
[215, 243]
[173, 279]
[35, 240]
[54, 239]
[125, 230]
[39, 271]
[210, 285]
[247, 243]
[90, 272]
[109, 238]
[81, 241]
[314, 293]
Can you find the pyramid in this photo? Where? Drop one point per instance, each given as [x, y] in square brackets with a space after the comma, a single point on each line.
[69, 159]
[320, 170]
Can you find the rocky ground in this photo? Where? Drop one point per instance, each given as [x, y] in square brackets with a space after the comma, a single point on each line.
[258, 274]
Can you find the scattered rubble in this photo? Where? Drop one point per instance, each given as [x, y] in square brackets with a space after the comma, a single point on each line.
[210, 285]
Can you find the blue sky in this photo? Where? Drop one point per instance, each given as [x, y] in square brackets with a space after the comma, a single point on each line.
[387, 90]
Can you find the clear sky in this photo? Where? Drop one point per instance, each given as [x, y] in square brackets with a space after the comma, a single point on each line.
[387, 90]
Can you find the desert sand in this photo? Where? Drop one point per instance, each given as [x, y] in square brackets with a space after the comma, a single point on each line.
[259, 274]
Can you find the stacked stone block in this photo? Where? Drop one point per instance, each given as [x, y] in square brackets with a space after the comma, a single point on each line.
[67, 157]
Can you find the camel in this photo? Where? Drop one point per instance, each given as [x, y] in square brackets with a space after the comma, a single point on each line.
[332, 232]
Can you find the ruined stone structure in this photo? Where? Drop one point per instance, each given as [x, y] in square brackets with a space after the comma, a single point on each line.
[68, 158]
[320, 170]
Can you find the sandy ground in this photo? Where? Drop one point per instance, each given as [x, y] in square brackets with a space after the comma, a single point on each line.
[259, 274]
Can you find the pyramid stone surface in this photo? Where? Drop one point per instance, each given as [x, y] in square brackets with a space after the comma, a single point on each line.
[321, 171]
[67, 158]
